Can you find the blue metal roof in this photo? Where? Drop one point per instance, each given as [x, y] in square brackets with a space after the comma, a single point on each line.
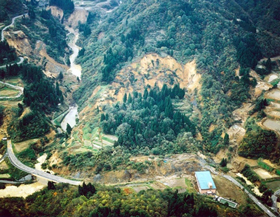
[204, 178]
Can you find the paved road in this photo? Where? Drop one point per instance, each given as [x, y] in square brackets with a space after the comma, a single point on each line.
[254, 199]
[21, 59]
[38, 173]
[14, 87]
[274, 199]
[6, 27]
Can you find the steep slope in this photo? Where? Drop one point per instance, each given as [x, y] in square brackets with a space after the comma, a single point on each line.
[217, 36]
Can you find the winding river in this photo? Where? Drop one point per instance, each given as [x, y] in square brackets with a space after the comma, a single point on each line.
[76, 70]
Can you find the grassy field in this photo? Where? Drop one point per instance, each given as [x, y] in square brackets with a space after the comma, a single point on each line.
[275, 185]
[21, 146]
[228, 190]
[15, 81]
[8, 92]
[190, 187]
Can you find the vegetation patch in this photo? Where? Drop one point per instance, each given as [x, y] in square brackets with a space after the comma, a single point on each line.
[264, 165]
[64, 200]
[274, 185]
[259, 143]
[155, 121]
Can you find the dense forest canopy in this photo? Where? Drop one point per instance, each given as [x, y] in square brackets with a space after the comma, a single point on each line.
[148, 120]
[9, 6]
[66, 5]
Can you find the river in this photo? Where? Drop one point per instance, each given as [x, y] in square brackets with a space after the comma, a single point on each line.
[76, 70]
[70, 118]
[27, 189]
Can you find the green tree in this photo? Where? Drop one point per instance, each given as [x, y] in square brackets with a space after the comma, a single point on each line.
[226, 139]
[60, 76]
[68, 129]
[223, 162]
[51, 185]
[125, 98]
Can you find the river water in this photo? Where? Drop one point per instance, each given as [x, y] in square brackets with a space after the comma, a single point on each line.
[27, 189]
[76, 70]
[70, 118]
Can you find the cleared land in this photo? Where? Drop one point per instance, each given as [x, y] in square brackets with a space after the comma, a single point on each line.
[8, 92]
[274, 94]
[21, 146]
[272, 124]
[264, 174]
[5, 176]
[228, 190]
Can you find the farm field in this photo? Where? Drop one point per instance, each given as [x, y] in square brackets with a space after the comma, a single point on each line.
[265, 174]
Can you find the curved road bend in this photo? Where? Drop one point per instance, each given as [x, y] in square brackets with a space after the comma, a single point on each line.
[21, 59]
[35, 172]
[13, 87]
[6, 27]
[254, 199]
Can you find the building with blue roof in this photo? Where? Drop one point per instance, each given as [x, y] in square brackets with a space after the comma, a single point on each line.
[205, 182]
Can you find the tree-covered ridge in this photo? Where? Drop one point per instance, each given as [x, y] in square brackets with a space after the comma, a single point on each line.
[42, 26]
[66, 5]
[259, 143]
[63, 200]
[7, 53]
[8, 7]
[264, 16]
[148, 120]
[40, 94]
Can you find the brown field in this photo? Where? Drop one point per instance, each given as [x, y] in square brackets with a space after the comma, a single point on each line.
[8, 92]
[140, 188]
[21, 146]
[175, 183]
[228, 190]
[158, 186]
[264, 174]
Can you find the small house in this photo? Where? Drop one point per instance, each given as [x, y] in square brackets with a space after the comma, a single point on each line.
[205, 182]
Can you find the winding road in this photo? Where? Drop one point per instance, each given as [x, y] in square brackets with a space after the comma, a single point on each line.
[13, 87]
[6, 27]
[21, 59]
[13, 159]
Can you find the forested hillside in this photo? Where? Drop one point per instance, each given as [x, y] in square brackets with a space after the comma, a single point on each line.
[155, 123]
[100, 201]
[41, 95]
[219, 36]
[8, 7]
